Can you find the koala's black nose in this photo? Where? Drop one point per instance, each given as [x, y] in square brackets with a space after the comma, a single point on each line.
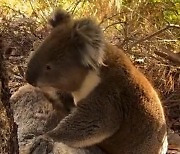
[31, 78]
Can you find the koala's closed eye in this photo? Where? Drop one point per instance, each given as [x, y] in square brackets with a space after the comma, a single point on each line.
[48, 67]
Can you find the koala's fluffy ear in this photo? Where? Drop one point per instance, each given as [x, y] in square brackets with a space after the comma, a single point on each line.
[91, 40]
[59, 17]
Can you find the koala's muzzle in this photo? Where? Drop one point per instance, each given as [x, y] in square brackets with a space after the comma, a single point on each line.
[32, 73]
[30, 78]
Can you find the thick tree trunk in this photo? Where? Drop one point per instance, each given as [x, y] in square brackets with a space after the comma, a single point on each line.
[8, 129]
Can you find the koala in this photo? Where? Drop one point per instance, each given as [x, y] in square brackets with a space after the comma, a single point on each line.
[35, 114]
[117, 108]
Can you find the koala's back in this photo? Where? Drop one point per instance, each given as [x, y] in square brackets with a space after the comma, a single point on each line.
[125, 91]
[34, 115]
[143, 127]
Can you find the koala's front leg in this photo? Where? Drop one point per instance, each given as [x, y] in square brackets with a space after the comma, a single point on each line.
[85, 127]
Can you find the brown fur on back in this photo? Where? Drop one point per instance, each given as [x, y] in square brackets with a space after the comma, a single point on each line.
[143, 127]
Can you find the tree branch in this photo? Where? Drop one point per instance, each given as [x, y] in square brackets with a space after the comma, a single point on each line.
[115, 23]
[173, 57]
[154, 34]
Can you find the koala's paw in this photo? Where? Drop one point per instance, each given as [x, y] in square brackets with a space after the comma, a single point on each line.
[43, 145]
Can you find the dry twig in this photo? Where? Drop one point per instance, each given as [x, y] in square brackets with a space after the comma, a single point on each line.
[154, 34]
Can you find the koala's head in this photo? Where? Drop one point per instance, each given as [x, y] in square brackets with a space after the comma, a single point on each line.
[64, 58]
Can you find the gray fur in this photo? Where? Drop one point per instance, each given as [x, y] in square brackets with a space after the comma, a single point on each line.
[35, 115]
[91, 34]
[59, 17]
[86, 30]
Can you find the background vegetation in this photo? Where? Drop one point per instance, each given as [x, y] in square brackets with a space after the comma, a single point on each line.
[148, 31]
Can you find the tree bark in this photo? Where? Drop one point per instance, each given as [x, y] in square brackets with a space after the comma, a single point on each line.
[8, 129]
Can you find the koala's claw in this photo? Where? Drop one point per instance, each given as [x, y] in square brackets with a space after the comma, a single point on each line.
[42, 145]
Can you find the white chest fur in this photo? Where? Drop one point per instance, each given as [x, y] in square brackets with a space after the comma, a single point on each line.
[90, 82]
